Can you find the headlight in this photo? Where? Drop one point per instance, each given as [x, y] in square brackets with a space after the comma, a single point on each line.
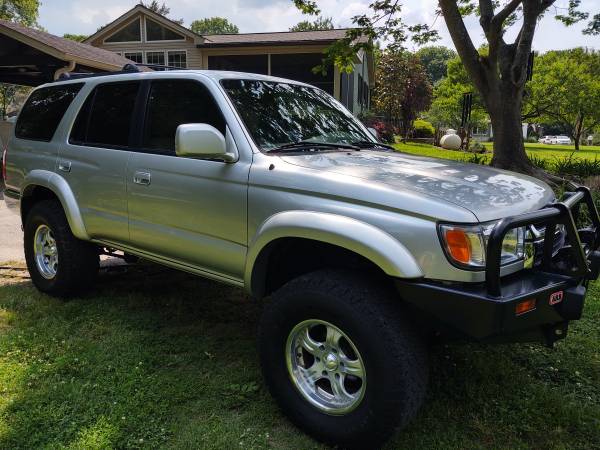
[466, 245]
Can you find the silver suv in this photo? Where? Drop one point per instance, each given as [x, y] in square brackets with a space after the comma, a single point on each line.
[272, 186]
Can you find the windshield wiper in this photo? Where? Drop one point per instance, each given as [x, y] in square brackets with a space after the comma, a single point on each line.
[308, 145]
[370, 144]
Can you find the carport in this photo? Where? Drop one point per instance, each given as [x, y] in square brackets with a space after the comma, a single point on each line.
[32, 57]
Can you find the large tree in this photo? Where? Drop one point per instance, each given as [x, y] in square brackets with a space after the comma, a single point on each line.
[434, 59]
[22, 11]
[320, 23]
[214, 25]
[499, 76]
[402, 88]
[75, 37]
[565, 90]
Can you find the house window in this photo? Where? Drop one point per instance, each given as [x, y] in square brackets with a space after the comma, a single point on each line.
[156, 32]
[177, 58]
[130, 33]
[157, 58]
[137, 57]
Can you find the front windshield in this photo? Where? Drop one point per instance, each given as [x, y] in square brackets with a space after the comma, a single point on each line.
[278, 114]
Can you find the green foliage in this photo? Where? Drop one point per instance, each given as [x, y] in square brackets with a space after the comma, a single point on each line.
[565, 90]
[320, 23]
[160, 8]
[75, 37]
[214, 25]
[423, 129]
[22, 11]
[402, 89]
[10, 94]
[435, 60]
[446, 106]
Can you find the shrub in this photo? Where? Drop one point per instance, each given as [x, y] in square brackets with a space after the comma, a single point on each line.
[423, 129]
[385, 132]
[477, 147]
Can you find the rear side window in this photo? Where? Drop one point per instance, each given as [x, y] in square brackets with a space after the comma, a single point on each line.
[175, 102]
[44, 110]
[106, 117]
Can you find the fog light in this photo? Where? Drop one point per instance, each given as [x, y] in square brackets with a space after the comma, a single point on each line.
[525, 306]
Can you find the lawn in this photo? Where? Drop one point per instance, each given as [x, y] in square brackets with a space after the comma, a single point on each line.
[543, 151]
[158, 359]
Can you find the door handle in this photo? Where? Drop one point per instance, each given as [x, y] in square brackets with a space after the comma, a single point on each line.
[142, 178]
[64, 166]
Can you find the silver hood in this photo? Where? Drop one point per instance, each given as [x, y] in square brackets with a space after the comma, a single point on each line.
[487, 192]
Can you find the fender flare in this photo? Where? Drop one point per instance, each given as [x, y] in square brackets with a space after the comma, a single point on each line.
[359, 237]
[59, 186]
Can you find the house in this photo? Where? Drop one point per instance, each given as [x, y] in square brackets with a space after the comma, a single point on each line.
[145, 37]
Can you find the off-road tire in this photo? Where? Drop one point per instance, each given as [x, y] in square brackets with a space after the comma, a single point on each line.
[78, 260]
[394, 355]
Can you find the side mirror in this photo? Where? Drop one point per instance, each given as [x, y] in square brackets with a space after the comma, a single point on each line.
[373, 131]
[200, 140]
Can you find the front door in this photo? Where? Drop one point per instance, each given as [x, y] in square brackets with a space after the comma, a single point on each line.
[190, 211]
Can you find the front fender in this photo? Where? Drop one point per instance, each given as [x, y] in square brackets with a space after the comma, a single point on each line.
[359, 237]
[59, 186]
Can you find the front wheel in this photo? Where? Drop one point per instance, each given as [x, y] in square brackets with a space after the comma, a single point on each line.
[341, 359]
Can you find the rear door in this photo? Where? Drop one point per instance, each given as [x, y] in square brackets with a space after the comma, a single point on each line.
[190, 211]
[94, 162]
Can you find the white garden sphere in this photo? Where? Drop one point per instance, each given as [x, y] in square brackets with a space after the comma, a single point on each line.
[450, 131]
[451, 141]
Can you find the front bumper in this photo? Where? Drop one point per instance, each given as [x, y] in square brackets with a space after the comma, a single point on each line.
[557, 286]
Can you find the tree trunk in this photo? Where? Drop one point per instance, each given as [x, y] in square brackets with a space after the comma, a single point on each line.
[505, 113]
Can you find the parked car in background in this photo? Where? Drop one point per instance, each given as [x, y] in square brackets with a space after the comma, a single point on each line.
[362, 253]
[561, 140]
[546, 139]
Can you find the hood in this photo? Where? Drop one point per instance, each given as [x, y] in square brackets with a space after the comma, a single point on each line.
[487, 192]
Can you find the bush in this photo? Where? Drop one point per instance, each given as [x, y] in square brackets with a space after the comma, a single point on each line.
[385, 132]
[423, 129]
[477, 147]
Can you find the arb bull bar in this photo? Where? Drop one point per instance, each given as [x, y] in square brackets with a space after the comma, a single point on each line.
[530, 305]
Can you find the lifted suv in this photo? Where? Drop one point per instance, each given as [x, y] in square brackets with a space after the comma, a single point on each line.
[271, 185]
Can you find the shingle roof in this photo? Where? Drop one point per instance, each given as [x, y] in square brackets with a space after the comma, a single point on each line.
[276, 38]
[68, 47]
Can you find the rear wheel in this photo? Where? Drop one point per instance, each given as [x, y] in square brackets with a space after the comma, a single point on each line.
[341, 359]
[58, 262]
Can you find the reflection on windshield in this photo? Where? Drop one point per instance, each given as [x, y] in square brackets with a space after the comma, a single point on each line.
[279, 113]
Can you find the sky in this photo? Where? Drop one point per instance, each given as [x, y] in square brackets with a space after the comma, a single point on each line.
[86, 16]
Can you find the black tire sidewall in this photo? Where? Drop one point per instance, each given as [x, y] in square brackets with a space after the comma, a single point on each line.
[376, 416]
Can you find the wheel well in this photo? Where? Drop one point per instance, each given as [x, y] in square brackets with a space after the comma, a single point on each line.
[33, 195]
[287, 258]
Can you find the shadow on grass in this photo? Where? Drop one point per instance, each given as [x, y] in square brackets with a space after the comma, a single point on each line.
[156, 358]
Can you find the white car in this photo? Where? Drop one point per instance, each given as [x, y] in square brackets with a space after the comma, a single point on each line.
[562, 140]
[546, 139]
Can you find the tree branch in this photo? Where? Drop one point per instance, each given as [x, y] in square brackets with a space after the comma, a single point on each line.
[463, 43]
[486, 14]
[498, 19]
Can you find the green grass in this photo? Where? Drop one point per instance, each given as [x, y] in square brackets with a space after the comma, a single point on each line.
[158, 359]
[542, 151]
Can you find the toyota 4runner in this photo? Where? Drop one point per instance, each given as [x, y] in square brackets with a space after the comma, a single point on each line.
[273, 186]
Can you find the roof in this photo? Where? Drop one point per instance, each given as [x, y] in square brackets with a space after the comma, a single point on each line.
[122, 19]
[274, 38]
[62, 48]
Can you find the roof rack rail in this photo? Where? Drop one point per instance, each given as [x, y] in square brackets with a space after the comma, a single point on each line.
[157, 66]
[127, 68]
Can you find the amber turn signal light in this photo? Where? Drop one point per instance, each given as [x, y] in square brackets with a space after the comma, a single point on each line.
[525, 306]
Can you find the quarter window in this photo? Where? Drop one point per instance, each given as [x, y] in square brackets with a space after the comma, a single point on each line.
[44, 110]
[106, 116]
[175, 102]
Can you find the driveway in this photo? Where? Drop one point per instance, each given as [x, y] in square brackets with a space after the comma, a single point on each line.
[11, 236]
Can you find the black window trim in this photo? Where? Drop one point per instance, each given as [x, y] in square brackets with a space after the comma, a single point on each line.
[135, 117]
[16, 133]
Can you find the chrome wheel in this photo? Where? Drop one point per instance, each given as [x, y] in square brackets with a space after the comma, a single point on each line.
[45, 251]
[325, 366]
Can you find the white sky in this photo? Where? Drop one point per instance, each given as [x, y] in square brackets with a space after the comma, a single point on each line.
[86, 16]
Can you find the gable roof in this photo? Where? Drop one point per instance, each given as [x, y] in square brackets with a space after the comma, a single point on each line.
[64, 49]
[274, 38]
[124, 18]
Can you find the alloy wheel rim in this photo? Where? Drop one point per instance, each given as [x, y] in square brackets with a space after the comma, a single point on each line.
[325, 367]
[45, 251]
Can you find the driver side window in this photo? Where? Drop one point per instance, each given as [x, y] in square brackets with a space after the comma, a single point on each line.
[175, 102]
